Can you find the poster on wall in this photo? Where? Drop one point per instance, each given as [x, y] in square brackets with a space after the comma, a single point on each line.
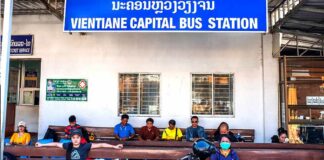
[67, 90]
[166, 15]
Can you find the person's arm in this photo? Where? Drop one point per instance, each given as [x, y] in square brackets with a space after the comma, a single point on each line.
[235, 157]
[13, 137]
[67, 132]
[27, 141]
[53, 144]
[141, 134]
[164, 135]
[157, 134]
[202, 133]
[132, 131]
[188, 138]
[179, 135]
[116, 133]
[106, 145]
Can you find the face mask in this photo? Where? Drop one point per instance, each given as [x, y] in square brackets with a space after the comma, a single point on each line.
[225, 145]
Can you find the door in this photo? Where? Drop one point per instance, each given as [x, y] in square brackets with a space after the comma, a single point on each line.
[12, 97]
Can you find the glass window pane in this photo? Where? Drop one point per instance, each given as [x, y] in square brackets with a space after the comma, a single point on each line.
[28, 98]
[212, 94]
[223, 94]
[139, 94]
[32, 74]
[128, 93]
[202, 94]
[149, 94]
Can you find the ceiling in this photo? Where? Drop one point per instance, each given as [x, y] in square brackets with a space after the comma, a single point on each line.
[36, 7]
[306, 18]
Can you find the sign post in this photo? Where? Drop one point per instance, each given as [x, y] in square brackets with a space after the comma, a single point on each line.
[5, 60]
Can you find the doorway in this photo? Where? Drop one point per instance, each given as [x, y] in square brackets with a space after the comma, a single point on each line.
[23, 95]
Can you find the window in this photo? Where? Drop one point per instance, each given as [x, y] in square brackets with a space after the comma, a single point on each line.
[139, 94]
[30, 82]
[212, 94]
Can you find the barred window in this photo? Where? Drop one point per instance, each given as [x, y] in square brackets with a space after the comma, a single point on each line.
[212, 94]
[139, 94]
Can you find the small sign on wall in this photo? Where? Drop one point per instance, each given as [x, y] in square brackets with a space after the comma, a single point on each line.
[21, 45]
[67, 90]
[315, 100]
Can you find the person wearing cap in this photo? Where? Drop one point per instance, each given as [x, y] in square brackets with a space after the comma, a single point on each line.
[124, 131]
[77, 150]
[172, 133]
[225, 152]
[149, 132]
[21, 137]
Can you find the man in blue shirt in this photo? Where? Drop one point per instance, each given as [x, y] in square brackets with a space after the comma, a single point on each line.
[195, 132]
[124, 131]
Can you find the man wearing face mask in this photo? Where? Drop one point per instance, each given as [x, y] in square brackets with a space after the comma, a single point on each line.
[225, 152]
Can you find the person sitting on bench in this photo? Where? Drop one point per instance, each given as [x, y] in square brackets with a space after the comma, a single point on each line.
[225, 152]
[172, 133]
[282, 136]
[21, 137]
[77, 150]
[124, 131]
[149, 132]
[222, 129]
[195, 132]
[73, 126]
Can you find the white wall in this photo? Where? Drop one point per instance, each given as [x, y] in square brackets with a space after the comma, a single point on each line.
[99, 57]
[271, 89]
[28, 114]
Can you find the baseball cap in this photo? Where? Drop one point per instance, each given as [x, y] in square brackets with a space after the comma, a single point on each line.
[22, 123]
[76, 132]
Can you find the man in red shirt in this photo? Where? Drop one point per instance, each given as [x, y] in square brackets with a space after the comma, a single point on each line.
[149, 132]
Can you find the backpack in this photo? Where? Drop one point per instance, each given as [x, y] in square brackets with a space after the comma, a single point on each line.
[51, 134]
[85, 134]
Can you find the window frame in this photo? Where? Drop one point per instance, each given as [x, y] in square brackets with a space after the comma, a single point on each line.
[139, 115]
[233, 98]
[21, 83]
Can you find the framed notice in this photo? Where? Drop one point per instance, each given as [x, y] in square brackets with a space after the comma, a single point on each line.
[67, 90]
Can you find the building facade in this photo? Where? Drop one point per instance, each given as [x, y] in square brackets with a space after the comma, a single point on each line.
[101, 59]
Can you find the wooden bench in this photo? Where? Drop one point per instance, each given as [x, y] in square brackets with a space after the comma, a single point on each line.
[246, 134]
[107, 133]
[176, 150]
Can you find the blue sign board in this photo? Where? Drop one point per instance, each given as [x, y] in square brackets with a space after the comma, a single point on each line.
[165, 15]
[21, 45]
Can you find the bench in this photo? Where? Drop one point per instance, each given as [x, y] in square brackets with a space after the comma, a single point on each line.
[107, 133]
[176, 150]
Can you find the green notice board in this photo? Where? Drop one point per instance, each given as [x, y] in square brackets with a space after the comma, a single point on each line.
[67, 90]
